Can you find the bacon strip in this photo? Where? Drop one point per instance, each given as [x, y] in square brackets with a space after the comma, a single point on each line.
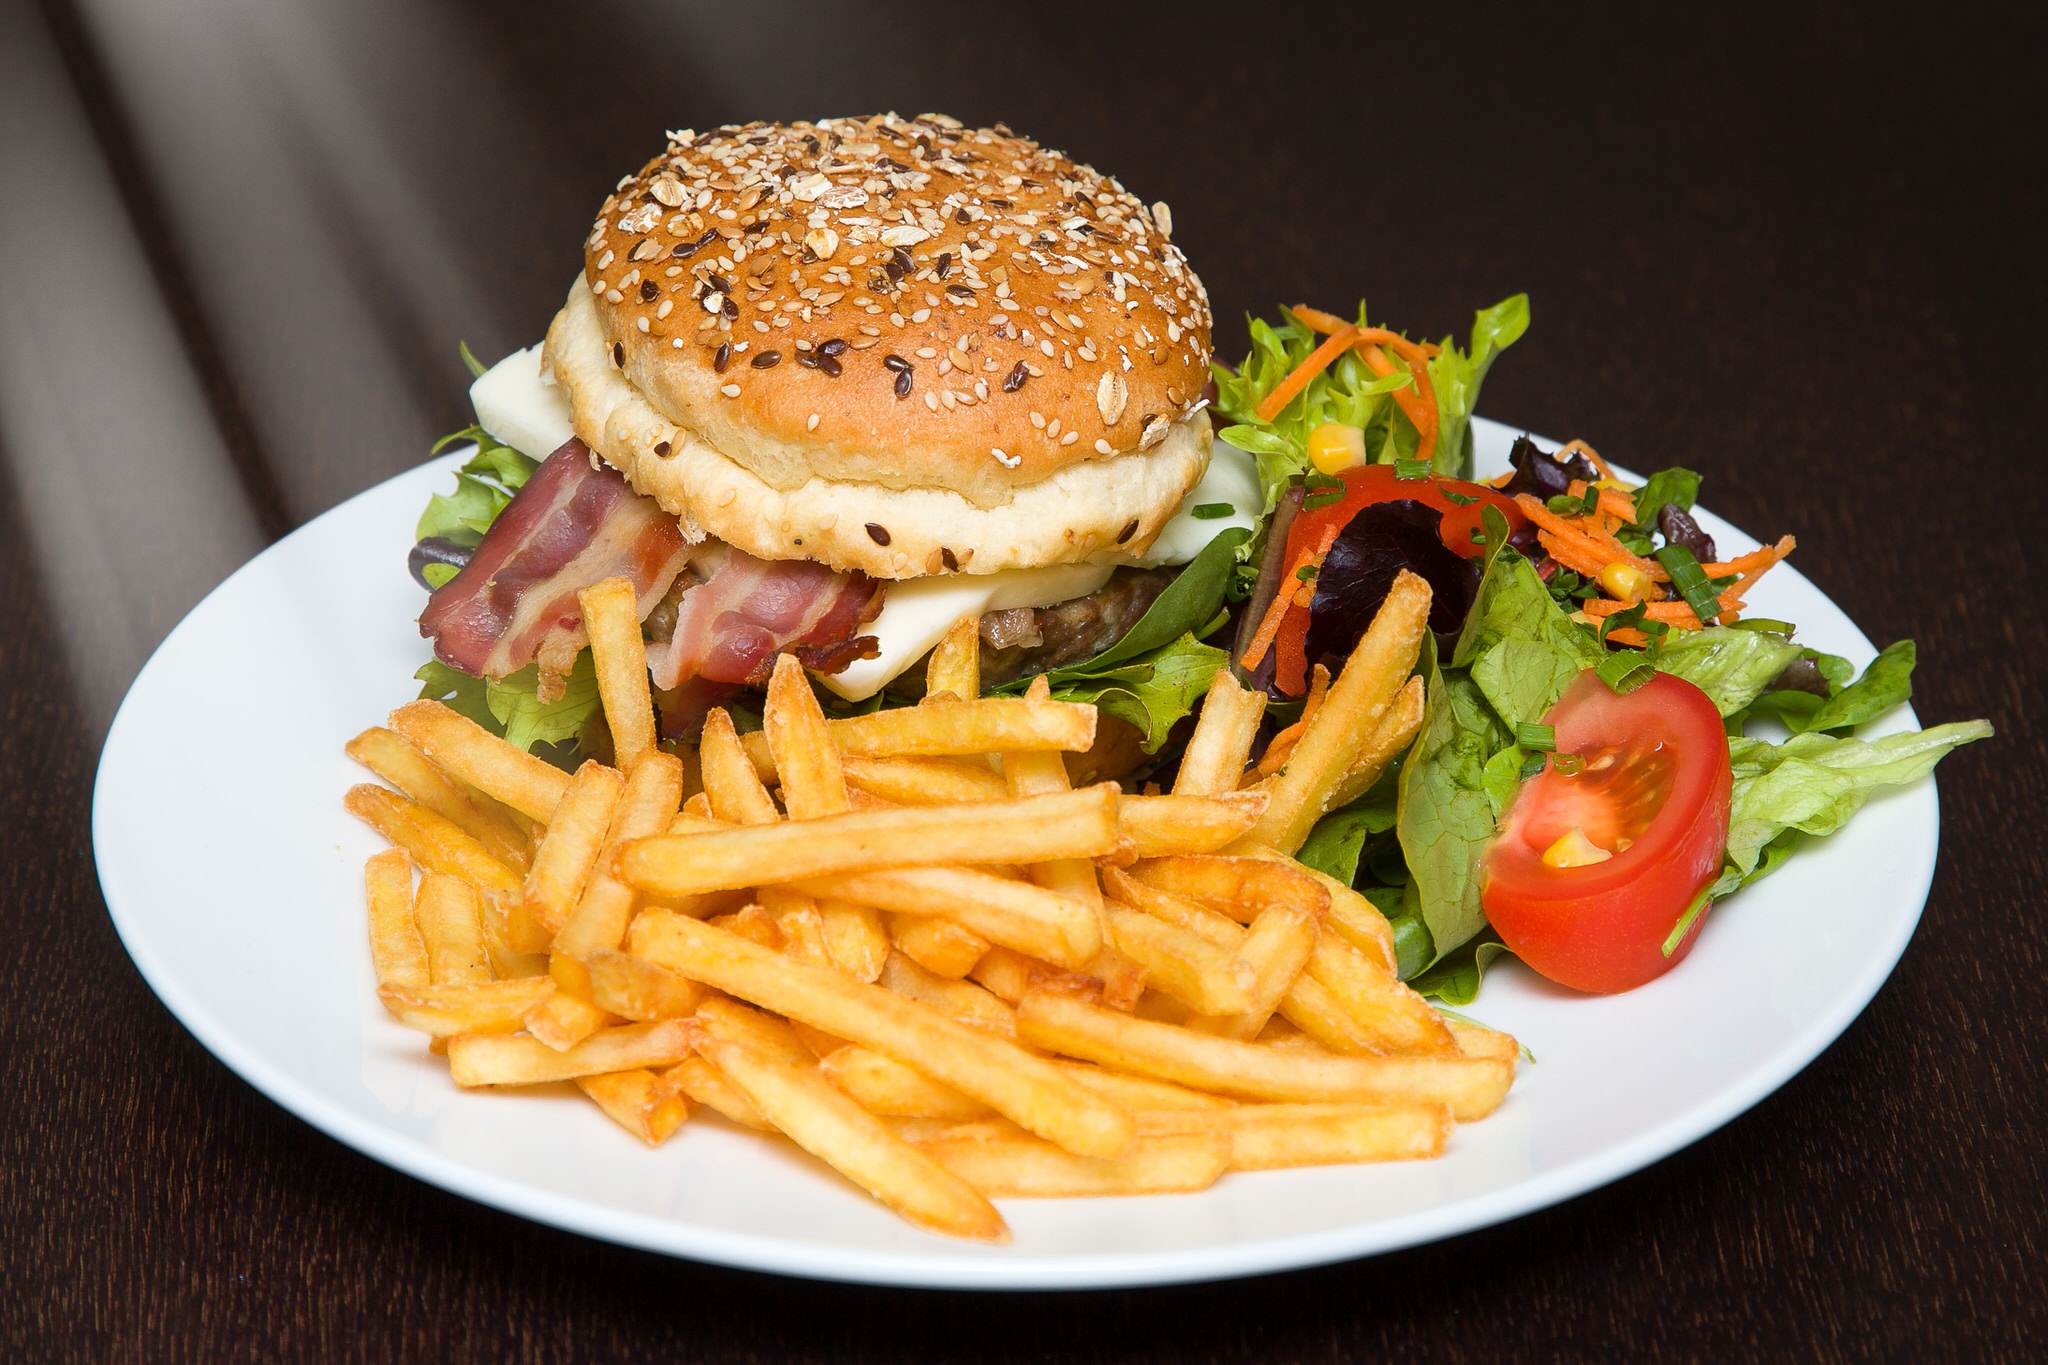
[574, 523]
[730, 627]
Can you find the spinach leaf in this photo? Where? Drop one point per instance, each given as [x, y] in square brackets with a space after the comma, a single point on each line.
[1189, 605]
[1887, 682]
[1522, 679]
[1454, 979]
[1335, 843]
[1444, 818]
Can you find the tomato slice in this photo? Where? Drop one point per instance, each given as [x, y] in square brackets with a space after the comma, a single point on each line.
[1460, 501]
[1651, 788]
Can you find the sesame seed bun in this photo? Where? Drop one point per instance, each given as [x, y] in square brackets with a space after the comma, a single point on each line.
[783, 324]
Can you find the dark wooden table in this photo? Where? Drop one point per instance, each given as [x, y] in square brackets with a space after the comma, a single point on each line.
[1800, 252]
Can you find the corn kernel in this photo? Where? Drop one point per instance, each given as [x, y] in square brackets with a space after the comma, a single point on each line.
[1625, 581]
[1574, 849]
[1335, 447]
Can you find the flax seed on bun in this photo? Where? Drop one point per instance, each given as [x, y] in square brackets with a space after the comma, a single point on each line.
[894, 345]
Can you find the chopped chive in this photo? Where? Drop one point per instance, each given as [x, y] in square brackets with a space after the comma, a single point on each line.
[1317, 479]
[1211, 511]
[1570, 765]
[1624, 672]
[1478, 536]
[1684, 925]
[1589, 504]
[1315, 502]
[1411, 469]
[1690, 582]
[1532, 735]
[1531, 766]
[1766, 625]
[1306, 573]
[1457, 499]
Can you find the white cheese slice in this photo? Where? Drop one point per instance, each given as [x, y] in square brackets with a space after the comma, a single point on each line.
[523, 408]
[518, 405]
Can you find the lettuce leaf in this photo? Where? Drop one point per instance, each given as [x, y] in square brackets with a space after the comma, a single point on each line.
[1732, 667]
[1334, 845]
[1887, 682]
[1350, 393]
[1444, 818]
[482, 488]
[1154, 691]
[511, 708]
[1455, 978]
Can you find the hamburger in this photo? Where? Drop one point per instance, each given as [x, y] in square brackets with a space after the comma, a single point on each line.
[823, 389]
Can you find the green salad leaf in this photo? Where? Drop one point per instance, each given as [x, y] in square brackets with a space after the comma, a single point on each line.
[1444, 817]
[1886, 683]
[1334, 845]
[1454, 979]
[1673, 485]
[1732, 667]
[1350, 393]
[1189, 605]
[484, 484]
[1153, 691]
[511, 708]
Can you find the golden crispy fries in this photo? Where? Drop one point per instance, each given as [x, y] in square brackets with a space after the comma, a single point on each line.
[887, 1087]
[1264, 1137]
[1222, 742]
[639, 1103]
[602, 912]
[1394, 1016]
[461, 747]
[1161, 826]
[564, 1020]
[1010, 975]
[1476, 1040]
[1396, 731]
[1002, 1076]
[634, 988]
[1345, 723]
[942, 728]
[566, 853]
[1212, 925]
[1237, 886]
[856, 939]
[611, 616]
[1205, 978]
[764, 1032]
[476, 1059]
[1282, 744]
[447, 913]
[1140, 1093]
[806, 764]
[955, 667]
[435, 842]
[705, 1084]
[1045, 924]
[731, 785]
[963, 1000]
[1275, 949]
[825, 1123]
[470, 1007]
[409, 770]
[506, 942]
[803, 930]
[924, 781]
[1321, 1018]
[1023, 1168]
[755, 925]
[1472, 1087]
[1077, 824]
[939, 946]
[396, 950]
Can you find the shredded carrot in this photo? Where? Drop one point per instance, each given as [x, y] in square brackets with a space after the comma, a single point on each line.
[1572, 448]
[1318, 320]
[1421, 411]
[1755, 561]
[1420, 402]
[1288, 594]
[1588, 539]
[1282, 745]
[1318, 360]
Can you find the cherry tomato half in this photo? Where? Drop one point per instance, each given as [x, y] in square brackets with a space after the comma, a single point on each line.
[1650, 789]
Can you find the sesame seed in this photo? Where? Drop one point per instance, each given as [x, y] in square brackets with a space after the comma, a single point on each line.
[811, 424]
[1103, 447]
[731, 390]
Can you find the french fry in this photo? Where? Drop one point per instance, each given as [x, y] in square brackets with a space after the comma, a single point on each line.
[1281, 745]
[884, 1086]
[1476, 1040]
[963, 1000]
[1397, 1018]
[856, 939]
[1077, 824]
[611, 617]
[731, 786]
[563, 1020]
[479, 1059]
[1045, 924]
[397, 953]
[1211, 925]
[1010, 975]
[1139, 1093]
[1275, 949]
[955, 667]
[807, 765]
[1239, 887]
[1396, 731]
[803, 930]
[1264, 1137]
[460, 746]
[1376, 670]
[1186, 966]
[943, 728]
[754, 924]
[855, 1143]
[1162, 826]
[1221, 745]
[563, 859]
[598, 923]
[638, 1102]
[999, 1074]
[436, 843]
[634, 988]
[468, 1007]
[737, 1023]
[1024, 1168]
[924, 781]
[1321, 1018]
[705, 1084]
[1472, 1087]
[939, 946]
[505, 941]
[412, 772]
[447, 913]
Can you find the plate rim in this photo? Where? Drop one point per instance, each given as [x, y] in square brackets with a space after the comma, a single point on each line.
[943, 1268]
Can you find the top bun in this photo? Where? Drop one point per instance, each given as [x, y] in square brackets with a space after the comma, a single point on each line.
[905, 304]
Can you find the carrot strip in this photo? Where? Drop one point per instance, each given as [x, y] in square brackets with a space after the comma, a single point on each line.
[1592, 540]
[1421, 411]
[1757, 560]
[1318, 320]
[1581, 448]
[1318, 360]
[1284, 597]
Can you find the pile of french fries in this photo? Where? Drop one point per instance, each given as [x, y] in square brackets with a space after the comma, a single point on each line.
[908, 944]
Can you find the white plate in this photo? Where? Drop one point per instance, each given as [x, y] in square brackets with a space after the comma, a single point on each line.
[235, 879]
